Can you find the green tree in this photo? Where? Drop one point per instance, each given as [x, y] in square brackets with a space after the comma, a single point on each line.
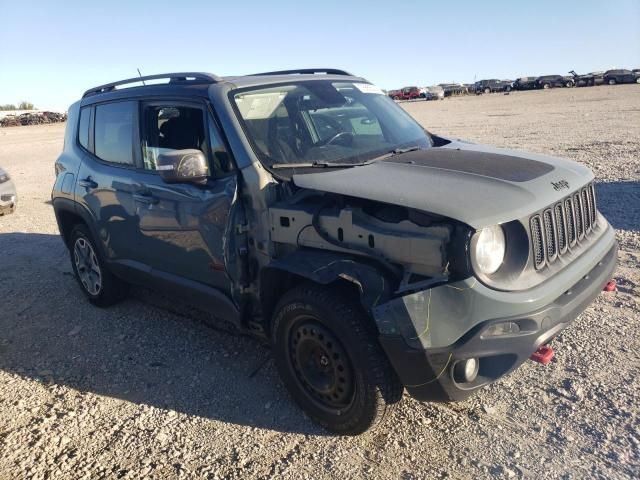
[26, 106]
[8, 106]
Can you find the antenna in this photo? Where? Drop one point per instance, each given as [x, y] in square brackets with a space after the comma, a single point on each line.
[144, 84]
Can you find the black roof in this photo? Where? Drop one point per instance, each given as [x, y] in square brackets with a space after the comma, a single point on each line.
[197, 83]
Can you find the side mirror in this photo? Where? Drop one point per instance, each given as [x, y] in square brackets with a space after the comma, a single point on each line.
[183, 166]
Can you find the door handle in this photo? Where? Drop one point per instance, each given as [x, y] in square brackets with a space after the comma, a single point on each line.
[87, 183]
[145, 197]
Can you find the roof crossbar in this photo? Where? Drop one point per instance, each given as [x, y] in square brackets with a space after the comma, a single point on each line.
[182, 77]
[302, 71]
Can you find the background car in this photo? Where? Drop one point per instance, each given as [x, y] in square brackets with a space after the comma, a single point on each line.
[395, 94]
[409, 93]
[552, 81]
[525, 83]
[493, 85]
[451, 89]
[8, 195]
[436, 91]
[588, 79]
[612, 77]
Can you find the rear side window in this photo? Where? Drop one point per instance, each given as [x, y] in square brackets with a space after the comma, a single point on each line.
[83, 127]
[113, 135]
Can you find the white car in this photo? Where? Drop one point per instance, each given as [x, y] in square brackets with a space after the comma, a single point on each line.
[8, 196]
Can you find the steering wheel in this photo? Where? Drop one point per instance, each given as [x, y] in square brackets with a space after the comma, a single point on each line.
[340, 138]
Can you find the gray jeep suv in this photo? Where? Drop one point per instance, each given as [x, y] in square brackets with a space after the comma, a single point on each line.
[308, 209]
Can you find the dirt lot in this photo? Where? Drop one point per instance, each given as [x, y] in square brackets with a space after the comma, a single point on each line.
[150, 389]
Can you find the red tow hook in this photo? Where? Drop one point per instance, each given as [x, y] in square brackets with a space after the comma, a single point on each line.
[543, 355]
[610, 286]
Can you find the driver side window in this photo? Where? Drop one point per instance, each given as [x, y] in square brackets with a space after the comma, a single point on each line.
[167, 128]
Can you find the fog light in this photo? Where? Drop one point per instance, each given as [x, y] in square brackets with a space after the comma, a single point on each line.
[500, 329]
[466, 371]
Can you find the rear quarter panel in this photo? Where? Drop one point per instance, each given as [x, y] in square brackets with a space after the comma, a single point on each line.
[69, 161]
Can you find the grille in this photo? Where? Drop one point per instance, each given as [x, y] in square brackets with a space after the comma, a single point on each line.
[563, 227]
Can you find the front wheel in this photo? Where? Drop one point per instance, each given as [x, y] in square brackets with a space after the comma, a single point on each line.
[612, 81]
[546, 86]
[101, 287]
[327, 353]
[487, 90]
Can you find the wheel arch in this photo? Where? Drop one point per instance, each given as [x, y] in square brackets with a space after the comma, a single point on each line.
[362, 282]
[68, 214]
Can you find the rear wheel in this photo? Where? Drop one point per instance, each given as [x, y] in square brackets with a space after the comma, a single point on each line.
[101, 287]
[487, 90]
[612, 81]
[546, 86]
[638, 80]
[329, 358]
[568, 84]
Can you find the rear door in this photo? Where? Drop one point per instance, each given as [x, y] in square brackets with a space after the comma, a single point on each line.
[106, 186]
[183, 226]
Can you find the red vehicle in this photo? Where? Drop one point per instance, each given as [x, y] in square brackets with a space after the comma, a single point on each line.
[406, 93]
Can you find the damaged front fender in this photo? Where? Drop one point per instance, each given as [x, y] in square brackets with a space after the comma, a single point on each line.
[327, 267]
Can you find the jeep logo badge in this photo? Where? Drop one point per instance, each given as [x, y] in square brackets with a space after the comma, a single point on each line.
[559, 185]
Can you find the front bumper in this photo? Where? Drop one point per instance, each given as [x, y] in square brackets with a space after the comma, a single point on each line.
[8, 197]
[427, 333]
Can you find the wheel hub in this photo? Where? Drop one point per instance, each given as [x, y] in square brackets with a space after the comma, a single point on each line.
[321, 364]
[87, 266]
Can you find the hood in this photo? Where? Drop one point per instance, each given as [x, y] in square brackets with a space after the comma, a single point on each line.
[475, 184]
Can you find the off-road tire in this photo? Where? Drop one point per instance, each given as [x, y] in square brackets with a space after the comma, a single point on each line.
[376, 389]
[112, 289]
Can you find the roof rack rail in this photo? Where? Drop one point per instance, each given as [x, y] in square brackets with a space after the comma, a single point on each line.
[302, 71]
[196, 77]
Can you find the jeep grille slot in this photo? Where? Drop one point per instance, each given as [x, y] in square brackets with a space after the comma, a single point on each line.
[563, 227]
[592, 197]
[577, 202]
[550, 236]
[571, 221]
[586, 201]
[537, 241]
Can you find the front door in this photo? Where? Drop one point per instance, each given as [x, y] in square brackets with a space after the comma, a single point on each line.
[183, 226]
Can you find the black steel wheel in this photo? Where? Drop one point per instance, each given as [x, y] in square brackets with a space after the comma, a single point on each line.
[321, 364]
[327, 353]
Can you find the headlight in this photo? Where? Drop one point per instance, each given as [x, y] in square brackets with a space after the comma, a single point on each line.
[488, 248]
[4, 177]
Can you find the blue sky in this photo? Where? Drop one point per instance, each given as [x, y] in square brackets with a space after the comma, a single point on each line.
[50, 52]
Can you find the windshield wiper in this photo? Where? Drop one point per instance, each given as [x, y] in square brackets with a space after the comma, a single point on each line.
[316, 165]
[392, 153]
[396, 151]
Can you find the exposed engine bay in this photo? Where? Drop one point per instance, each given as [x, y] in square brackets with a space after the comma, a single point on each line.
[405, 241]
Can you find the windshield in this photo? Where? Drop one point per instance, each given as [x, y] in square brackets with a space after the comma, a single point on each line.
[323, 121]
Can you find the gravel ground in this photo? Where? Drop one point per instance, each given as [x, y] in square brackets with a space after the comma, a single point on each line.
[153, 389]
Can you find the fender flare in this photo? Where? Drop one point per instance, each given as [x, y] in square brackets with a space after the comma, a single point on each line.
[327, 267]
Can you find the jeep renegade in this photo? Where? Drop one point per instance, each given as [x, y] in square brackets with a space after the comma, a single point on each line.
[308, 209]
